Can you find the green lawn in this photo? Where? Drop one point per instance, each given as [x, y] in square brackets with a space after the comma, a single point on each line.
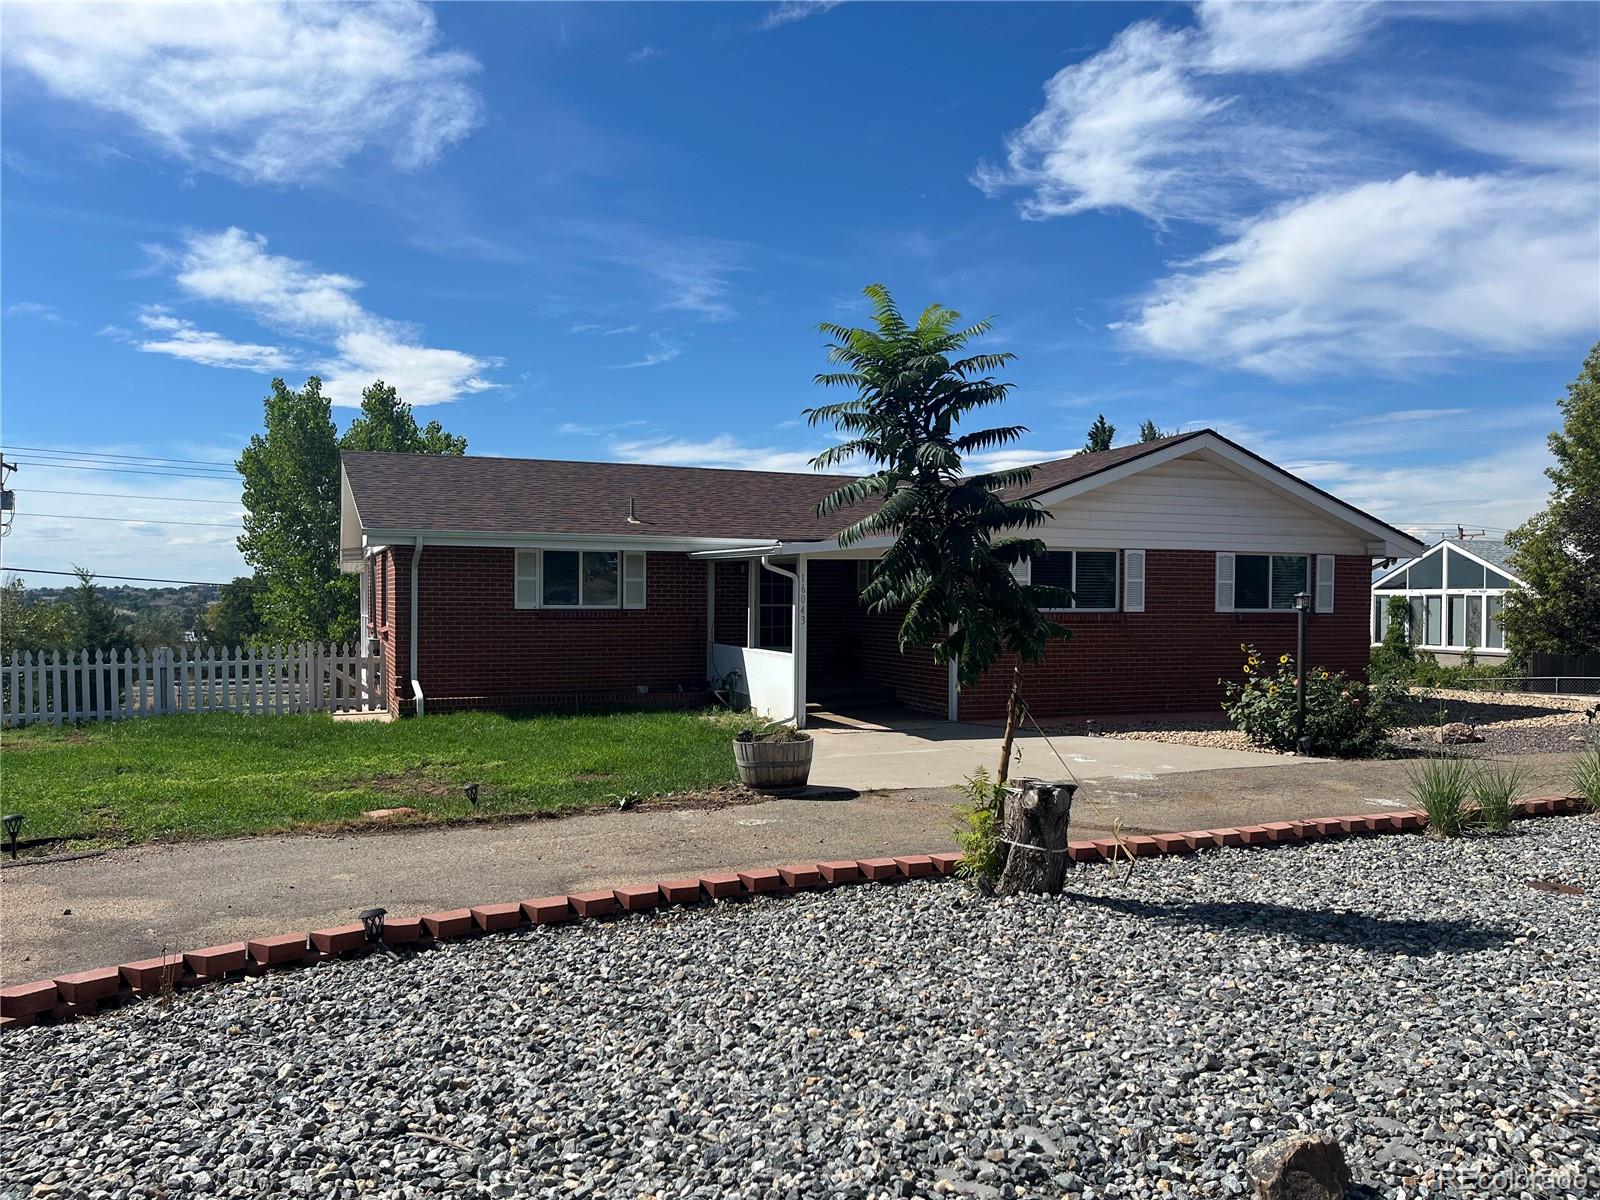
[218, 775]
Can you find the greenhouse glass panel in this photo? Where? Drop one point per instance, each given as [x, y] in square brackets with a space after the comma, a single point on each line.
[1397, 584]
[1494, 636]
[1463, 572]
[1458, 621]
[1474, 621]
[1435, 609]
[1496, 580]
[1427, 571]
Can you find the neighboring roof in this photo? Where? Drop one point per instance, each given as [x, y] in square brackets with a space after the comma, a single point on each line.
[1490, 552]
[411, 493]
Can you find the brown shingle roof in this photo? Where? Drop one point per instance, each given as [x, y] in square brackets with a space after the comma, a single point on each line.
[433, 494]
[436, 494]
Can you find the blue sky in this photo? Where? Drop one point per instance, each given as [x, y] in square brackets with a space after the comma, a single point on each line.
[1361, 239]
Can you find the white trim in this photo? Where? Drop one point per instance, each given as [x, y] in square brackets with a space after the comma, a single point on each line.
[1405, 563]
[952, 693]
[1133, 581]
[519, 576]
[1326, 569]
[561, 541]
[1444, 596]
[537, 578]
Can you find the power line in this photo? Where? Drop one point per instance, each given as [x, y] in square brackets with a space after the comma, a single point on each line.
[98, 575]
[110, 470]
[131, 520]
[126, 496]
[108, 465]
[150, 458]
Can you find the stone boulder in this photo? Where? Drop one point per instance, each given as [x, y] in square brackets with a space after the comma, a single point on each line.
[1457, 733]
[1299, 1167]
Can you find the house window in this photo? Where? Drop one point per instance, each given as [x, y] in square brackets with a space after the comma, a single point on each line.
[1090, 576]
[775, 612]
[579, 579]
[1262, 582]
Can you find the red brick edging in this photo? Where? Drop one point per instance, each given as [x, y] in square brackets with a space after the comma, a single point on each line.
[82, 993]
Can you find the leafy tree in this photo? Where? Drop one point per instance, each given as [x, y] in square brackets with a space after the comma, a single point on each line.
[1149, 431]
[950, 566]
[35, 625]
[386, 423]
[156, 628]
[291, 528]
[291, 492]
[92, 622]
[1557, 552]
[232, 620]
[1100, 435]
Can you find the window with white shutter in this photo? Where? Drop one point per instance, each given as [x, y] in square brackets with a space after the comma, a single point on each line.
[527, 590]
[1133, 581]
[1325, 583]
[1224, 583]
[633, 591]
[1023, 571]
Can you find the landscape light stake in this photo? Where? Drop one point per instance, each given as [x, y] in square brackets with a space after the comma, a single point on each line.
[13, 824]
[472, 794]
[1302, 607]
[372, 918]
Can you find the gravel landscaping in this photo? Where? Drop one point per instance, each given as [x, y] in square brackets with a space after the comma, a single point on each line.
[1416, 999]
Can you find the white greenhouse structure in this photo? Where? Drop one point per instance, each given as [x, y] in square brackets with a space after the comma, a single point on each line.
[1456, 593]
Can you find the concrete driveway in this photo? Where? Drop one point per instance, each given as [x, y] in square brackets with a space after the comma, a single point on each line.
[892, 752]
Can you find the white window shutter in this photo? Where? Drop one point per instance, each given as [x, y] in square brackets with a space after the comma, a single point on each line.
[1133, 581]
[1224, 583]
[527, 585]
[1324, 583]
[633, 587]
[1023, 571]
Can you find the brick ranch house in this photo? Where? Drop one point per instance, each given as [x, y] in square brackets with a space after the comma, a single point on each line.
[501, 583]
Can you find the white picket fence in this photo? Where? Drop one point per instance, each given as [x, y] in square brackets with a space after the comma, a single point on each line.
[58, 687]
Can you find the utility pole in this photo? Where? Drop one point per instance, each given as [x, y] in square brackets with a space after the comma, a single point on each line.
[8, 503]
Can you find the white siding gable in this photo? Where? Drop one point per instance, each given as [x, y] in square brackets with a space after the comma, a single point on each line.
[1194, 504]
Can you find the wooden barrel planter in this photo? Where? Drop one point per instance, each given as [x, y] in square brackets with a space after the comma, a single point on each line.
[773, 765]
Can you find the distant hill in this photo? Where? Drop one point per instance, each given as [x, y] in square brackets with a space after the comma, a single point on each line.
[189, 601]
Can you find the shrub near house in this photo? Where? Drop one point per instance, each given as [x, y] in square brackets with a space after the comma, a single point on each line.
[1345, 718]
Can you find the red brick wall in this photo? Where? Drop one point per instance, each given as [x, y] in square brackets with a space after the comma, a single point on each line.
[1170, 657]
[477, 650]
[731, 619]
[848, 647]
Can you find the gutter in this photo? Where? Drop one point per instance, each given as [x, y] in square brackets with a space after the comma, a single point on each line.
[416, 686]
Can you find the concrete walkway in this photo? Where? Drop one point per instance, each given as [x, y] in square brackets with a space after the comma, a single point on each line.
[911, 753]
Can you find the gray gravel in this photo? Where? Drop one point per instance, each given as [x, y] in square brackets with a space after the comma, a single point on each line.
[1416, 999]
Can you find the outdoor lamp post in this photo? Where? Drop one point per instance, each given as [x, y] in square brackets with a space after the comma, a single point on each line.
[13, 824]
[1302, 609]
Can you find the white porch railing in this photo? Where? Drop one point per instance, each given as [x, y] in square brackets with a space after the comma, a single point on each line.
[58, 687]
[766, 676]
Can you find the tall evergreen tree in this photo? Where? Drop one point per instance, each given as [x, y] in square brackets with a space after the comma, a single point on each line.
[1557, 552]
[1149, 431]
[1100, 435]
[950, 566]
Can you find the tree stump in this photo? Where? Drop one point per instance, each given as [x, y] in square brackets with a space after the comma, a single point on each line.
[1034, 823]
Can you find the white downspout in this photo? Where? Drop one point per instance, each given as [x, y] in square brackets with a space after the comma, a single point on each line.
[416, 687]
[797, 638]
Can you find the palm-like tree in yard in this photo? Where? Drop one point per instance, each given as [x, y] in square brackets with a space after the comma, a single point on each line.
[956, 537]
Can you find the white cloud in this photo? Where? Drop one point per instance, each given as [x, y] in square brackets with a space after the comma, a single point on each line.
[663, 353]
[184, 340]
[234, 268]
[720, 451]
[1388, 274]
[31, 308]
[686, 274]
[1283, 36]
[1145, 125]
[644, 54]
[422, 374]
[796, 10]
[271, 92]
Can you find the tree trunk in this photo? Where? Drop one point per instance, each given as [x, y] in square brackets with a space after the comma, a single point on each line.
[1013, 715]
[1034, 822]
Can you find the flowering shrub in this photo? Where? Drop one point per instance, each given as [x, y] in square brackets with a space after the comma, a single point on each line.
[1345, 718]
